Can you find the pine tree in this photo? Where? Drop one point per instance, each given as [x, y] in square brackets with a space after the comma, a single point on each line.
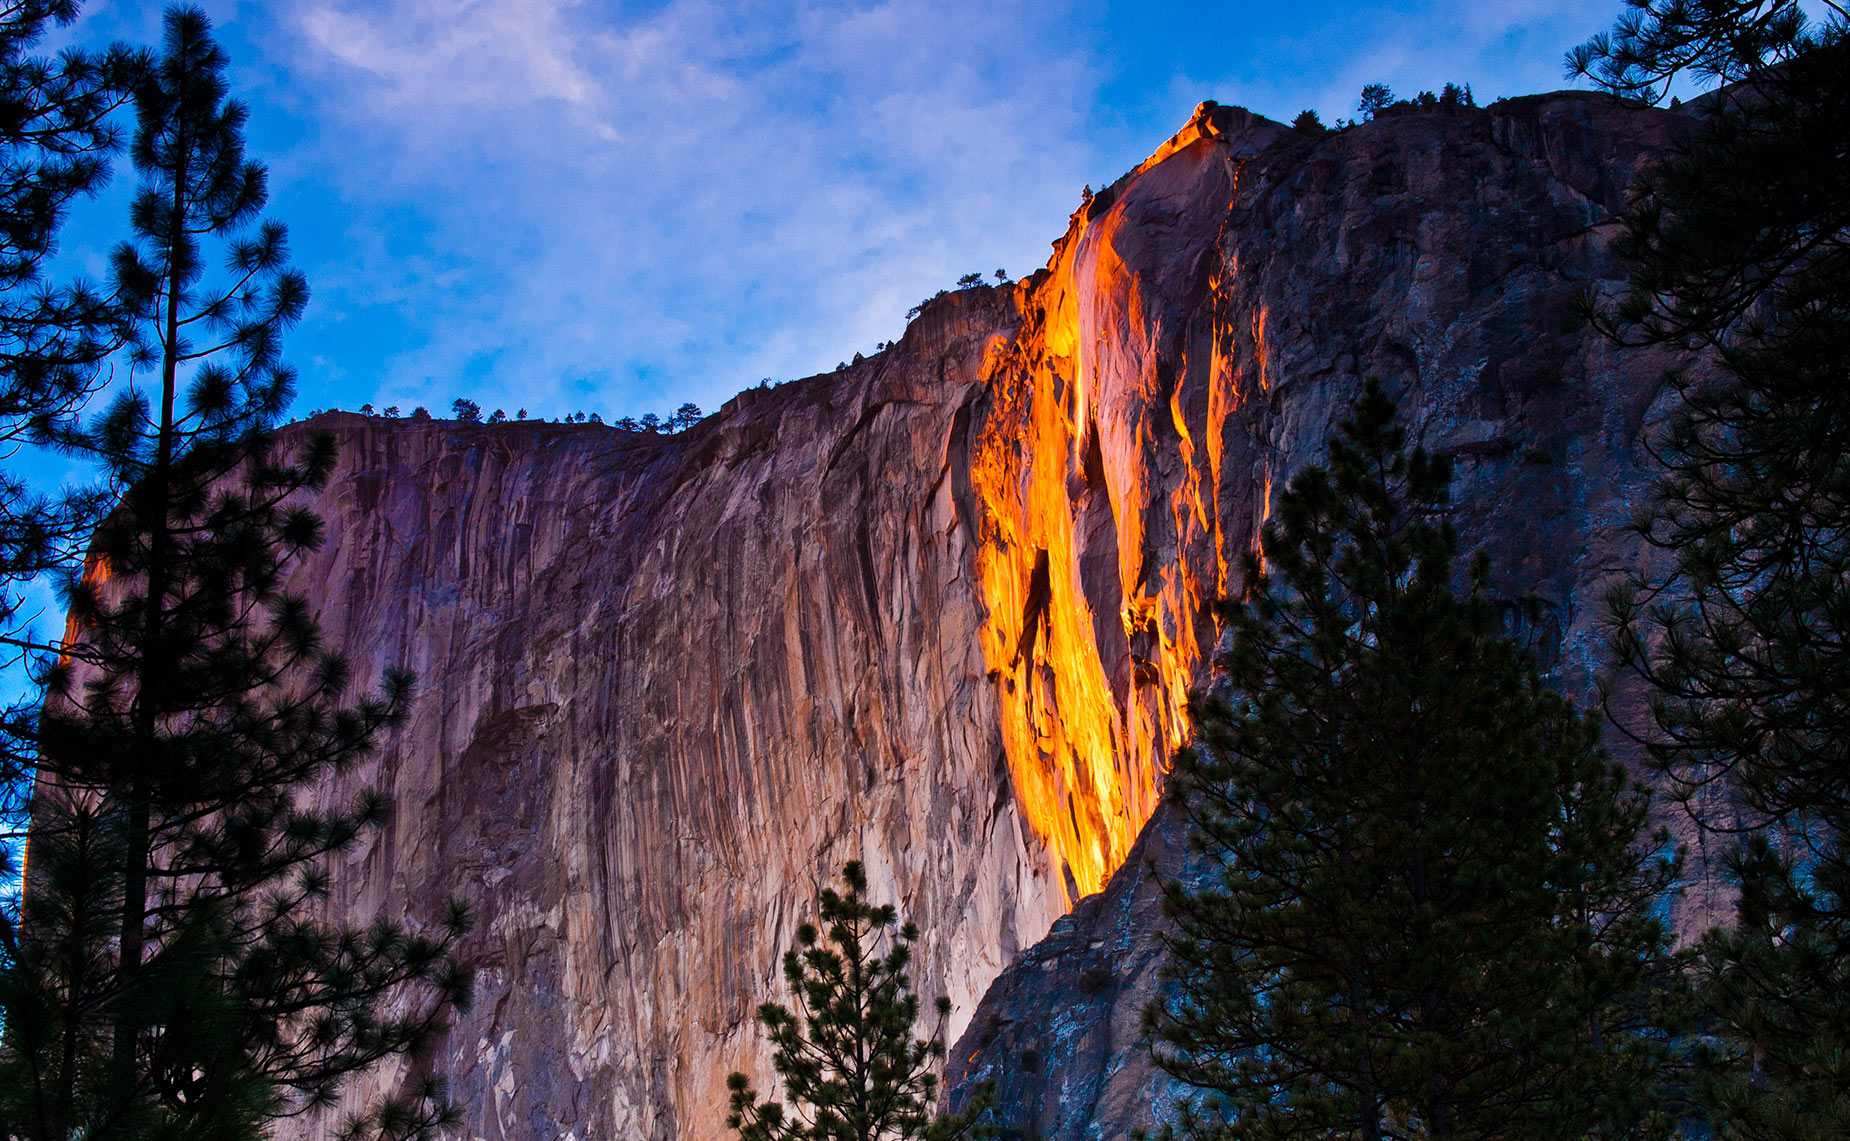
[1376, 98]
[850, 1065]
[56, 138]
[1739, 246]
[172, 974]
[1427, 911]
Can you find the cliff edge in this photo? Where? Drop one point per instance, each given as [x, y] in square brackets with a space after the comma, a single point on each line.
[941, 611]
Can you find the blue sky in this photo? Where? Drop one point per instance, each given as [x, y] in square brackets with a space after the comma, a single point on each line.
[619, 206]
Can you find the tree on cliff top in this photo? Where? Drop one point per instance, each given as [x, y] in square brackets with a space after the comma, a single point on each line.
[1739, 249]
[1428, 914]
[170, 976]
[850, 1065]
[1376, 98]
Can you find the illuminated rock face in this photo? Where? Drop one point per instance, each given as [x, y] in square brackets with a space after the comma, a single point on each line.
[669, 686]
[940, 611]
[1101, 517]
[1443, 254]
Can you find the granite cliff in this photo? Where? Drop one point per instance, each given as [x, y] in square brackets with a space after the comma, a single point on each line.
[940, 611]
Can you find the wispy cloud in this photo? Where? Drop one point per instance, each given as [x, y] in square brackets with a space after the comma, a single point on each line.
[690, 199]
[461, 52]
[623, 204]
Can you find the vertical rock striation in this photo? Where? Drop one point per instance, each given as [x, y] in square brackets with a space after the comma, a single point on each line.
[1442, 252]
[941, 611]
[1101, 540]
[669, 685]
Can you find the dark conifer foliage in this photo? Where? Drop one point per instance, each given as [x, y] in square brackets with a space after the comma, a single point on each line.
[851, 1066]
[1433, 907]
[1740, 248]
[173, 975]
[56, 139]
[1709, 42]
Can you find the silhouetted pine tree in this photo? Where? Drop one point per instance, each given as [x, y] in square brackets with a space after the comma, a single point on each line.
[1428, 912]
[850, 1065]
[174, 976]
[55, 141]
[1739, 243]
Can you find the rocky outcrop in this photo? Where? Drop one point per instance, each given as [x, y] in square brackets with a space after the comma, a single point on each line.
[940, 611]
[1101, 535]
[1443, 253]
[671, 684]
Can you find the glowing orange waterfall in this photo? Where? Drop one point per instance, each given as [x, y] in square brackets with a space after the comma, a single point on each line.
[1099, 548]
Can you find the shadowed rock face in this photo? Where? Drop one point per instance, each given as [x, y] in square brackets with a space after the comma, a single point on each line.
[1442, 253]
[940, 611]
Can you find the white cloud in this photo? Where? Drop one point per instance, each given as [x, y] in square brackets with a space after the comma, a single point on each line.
[694, 199]
[460, 52]
[622, 204]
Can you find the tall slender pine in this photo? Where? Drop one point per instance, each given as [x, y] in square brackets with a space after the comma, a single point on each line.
[180, 975]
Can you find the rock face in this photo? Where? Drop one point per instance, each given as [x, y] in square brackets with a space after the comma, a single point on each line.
[940, 611]
[1442, 253]
[669, 686]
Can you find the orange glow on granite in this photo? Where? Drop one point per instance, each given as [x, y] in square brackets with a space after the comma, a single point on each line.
[1091, 669]
[1259, 353]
